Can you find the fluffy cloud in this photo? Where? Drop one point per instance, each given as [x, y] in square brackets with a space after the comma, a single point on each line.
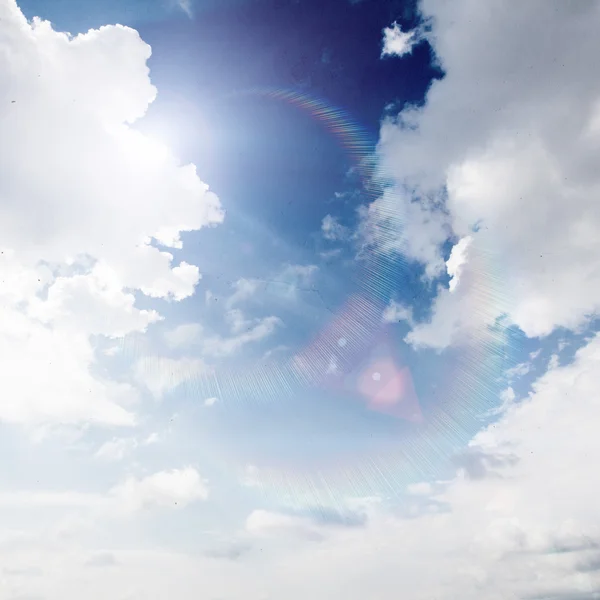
[395, 312]
[83, 196]
[505, 143]
[397, 42]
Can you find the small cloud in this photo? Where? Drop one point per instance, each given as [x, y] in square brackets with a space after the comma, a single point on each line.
[399, 43]
[165, 489]
[116, 449]
[242, 290]
[153, 438]
[518, 371]
[333, 230]
[293, 278]
[236, 320]
[113, 350]
[534, 355]
[330, 254]
[186, 7]
[218, 346]
[211, 401]
[395, 312]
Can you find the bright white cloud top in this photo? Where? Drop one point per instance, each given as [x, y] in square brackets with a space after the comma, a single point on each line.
[511, 132]
[83, 194]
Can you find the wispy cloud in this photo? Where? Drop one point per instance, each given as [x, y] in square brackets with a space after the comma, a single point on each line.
[333, 230]
[242, 290]
[219, 346]
[186, 7]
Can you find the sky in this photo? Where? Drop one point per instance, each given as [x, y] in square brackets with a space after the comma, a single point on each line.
[299, 298]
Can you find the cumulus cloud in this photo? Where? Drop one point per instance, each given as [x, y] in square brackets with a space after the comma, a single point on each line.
[397, 42]
[506, 141]
[84, 194]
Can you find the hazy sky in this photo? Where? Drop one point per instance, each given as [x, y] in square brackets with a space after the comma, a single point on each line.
[299, 298]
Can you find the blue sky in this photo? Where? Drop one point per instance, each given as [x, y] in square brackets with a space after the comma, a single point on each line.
[240, 354]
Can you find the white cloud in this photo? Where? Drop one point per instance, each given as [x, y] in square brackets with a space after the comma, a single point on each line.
[511, 134]
[396, 223]
[211, 401]
[152, 438]
[186, 7]
[333, 230]
[294, 278]
[242, 290]
[259, 329]
[533, 355]
[236, 320]
[116, 449]
[456, 261]
[395, 312]
[83, 194]
[172, 489]
[517, 371]
[397, 42]
[184, 335]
